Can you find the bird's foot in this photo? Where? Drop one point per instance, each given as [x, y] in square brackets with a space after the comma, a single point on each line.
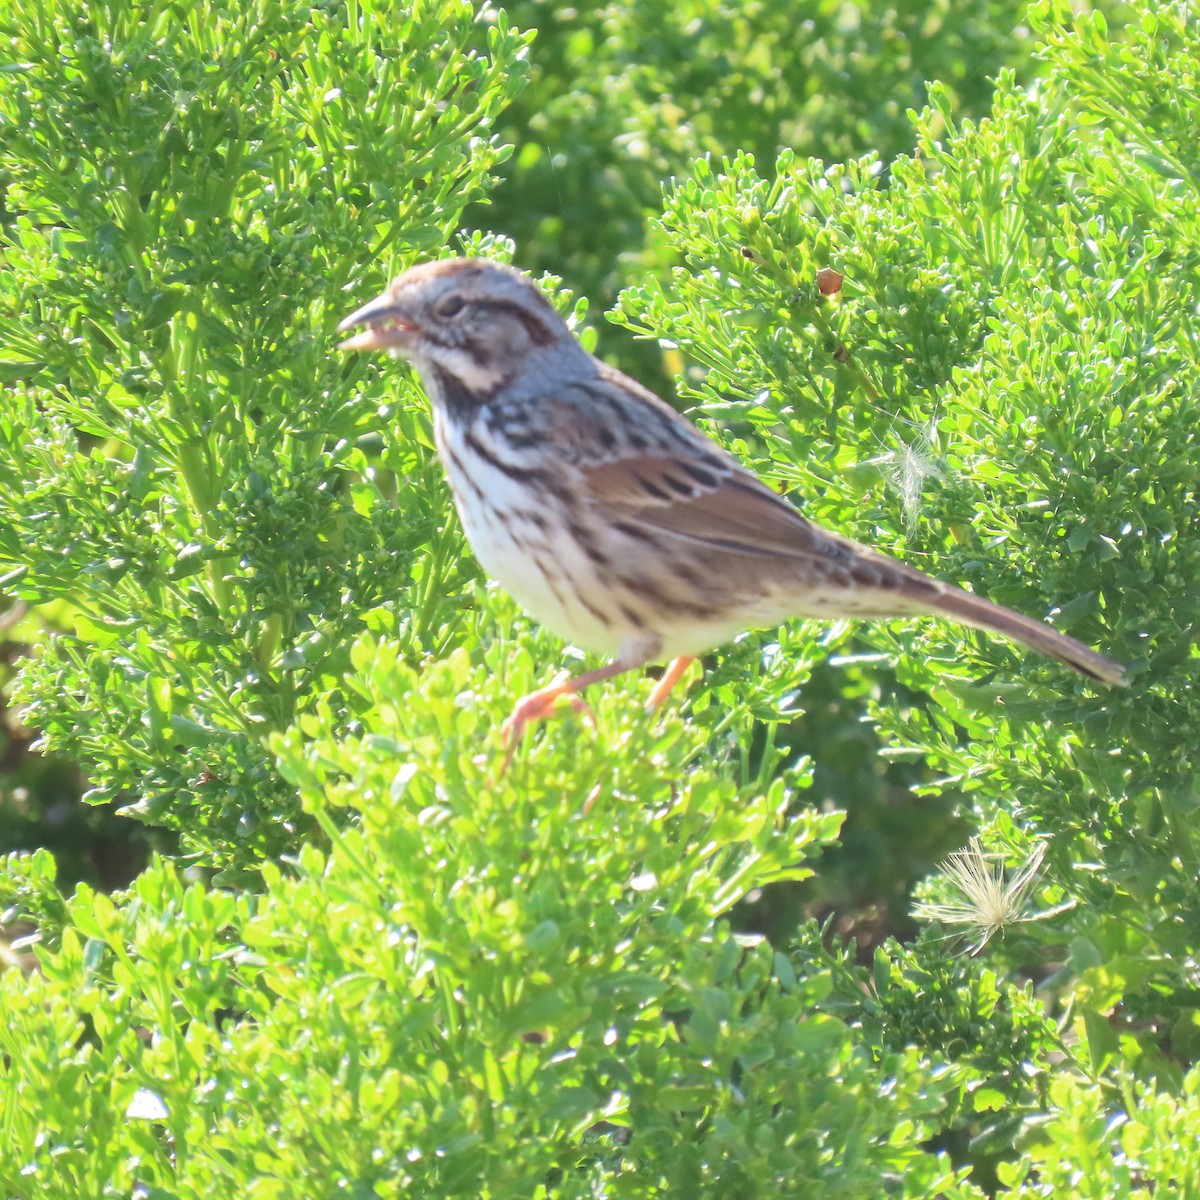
[536, 707]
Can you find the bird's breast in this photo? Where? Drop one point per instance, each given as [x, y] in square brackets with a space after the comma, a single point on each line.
[523, 527]
[591, 575]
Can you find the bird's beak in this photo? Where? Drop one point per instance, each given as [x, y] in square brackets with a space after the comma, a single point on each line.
[387, 325]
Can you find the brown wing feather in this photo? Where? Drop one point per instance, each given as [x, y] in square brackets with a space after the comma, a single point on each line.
[725, 510]
[673, 479]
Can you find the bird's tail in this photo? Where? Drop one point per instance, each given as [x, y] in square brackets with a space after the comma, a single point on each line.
[983, 614]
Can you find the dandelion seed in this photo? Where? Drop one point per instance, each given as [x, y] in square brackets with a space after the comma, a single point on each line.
[982, 899]
[908, 467]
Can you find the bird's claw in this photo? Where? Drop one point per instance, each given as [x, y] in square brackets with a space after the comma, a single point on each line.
[536, 707]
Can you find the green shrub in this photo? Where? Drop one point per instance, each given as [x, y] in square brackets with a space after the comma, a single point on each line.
[182, 459]
[623, 96]
[414, 978]
[480, 991]
[1003, 389]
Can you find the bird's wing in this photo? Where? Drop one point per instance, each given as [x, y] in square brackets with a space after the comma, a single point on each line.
[726, 509]
[666, 474]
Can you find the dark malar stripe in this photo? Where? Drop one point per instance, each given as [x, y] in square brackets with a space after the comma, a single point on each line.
[459, 401]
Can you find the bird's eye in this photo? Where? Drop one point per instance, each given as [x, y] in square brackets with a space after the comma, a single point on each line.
[451, 305]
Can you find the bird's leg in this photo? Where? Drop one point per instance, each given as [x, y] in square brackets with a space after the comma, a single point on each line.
[670, 678]
[539, 704]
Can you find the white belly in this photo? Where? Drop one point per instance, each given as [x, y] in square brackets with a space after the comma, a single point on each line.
[512, 529]
[552, 580]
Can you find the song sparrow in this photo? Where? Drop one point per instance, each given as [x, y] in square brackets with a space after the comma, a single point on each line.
[609, 517]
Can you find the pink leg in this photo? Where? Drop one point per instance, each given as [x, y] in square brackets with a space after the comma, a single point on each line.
[538, 705]
[670, 678]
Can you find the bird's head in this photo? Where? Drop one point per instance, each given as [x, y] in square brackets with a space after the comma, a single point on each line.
[473, 320]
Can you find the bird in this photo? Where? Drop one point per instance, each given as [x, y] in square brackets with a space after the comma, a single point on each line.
[608, 516]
